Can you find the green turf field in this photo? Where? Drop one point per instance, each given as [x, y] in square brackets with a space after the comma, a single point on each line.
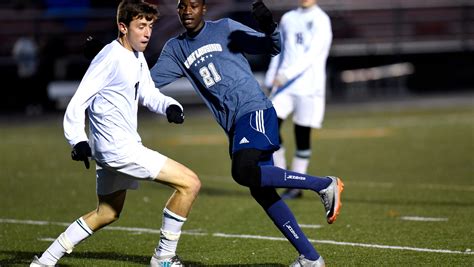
[408, 199]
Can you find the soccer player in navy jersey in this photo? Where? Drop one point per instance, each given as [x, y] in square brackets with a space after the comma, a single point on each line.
[210, 54]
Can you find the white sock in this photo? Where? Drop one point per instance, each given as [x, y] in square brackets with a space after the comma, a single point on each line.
[300, 164]
[74, 234]
[170, 232]
[279, 159]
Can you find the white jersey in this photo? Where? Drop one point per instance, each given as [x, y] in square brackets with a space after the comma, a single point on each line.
[307, 37]
[116, 81]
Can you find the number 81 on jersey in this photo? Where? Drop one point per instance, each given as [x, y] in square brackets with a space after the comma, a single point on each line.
[209, 75]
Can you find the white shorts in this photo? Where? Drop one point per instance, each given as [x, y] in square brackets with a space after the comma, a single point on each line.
[308, 110]
[125, 174]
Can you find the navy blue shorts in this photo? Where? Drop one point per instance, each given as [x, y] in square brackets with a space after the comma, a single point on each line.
[258, 130]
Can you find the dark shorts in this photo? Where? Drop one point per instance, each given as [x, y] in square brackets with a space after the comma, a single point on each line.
[257, 130]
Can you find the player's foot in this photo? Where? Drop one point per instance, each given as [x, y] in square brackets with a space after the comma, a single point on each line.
[292, 193]
[37, 263]
[331, 198]
[173, 261]
[301, 261]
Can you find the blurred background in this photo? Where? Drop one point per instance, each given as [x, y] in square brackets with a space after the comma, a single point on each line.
[382, 49]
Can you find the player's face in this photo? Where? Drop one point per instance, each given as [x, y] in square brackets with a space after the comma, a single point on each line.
[307, 3]
[190, 14]
[137, 34]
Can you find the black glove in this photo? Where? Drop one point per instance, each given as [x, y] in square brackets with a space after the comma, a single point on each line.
[175, 114]
[264, 17]
[92, 47]
[82, 152]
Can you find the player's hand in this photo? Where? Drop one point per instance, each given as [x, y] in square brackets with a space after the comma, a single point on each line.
[175, 114]
[92, 47]
[82, 152]
[264, 17]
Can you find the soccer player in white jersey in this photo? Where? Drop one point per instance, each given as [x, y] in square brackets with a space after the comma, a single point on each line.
[297, 77]
[116, 82]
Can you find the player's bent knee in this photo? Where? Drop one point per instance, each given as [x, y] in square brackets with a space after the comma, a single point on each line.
[245, 169]
[246, 175]
[192, 183]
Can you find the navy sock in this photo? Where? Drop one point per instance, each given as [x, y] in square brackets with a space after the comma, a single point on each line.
[272, 176]
[285, 221]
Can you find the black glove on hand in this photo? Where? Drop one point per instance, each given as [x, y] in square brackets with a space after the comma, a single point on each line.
[92, 47]
[175, 114]
[82, 152]
[264, 17]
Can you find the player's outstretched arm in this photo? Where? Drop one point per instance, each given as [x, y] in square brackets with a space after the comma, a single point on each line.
[245, 39]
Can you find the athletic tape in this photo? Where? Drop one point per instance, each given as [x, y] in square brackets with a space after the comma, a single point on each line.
[65, 243]
[169, 235]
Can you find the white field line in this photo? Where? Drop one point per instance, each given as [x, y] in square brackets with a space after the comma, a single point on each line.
[312, 226]
[223, 235]
[332, 242]
[423, 219]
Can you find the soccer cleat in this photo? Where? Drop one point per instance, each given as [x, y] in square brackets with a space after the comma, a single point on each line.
[166, 261]
[301, 261]
[37, 263]
[292, 193]
[331, 198]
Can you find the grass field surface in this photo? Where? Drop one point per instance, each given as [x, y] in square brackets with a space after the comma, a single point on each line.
[408, 199]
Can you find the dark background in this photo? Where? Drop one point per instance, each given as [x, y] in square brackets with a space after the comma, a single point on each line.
[435, 39]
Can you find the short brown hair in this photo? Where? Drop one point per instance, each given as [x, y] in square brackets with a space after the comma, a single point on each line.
[129, 10]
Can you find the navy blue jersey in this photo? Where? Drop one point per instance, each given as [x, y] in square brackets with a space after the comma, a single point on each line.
[214, 63]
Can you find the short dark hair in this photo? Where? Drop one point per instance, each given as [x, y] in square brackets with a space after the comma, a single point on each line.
[129, 10]
[203, 2]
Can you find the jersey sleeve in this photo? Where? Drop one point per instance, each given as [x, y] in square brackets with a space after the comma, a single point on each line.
[321, 41]
[272, 70]
[96, 77]
[166, 69]
[152, 98]
[245, 39]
